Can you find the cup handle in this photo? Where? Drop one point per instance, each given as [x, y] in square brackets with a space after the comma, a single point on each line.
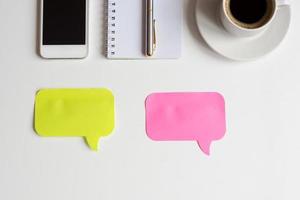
[283, 3]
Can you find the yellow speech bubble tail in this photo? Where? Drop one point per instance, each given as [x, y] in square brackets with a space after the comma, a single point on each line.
[92, 142]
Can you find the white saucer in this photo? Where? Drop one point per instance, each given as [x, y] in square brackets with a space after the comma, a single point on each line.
[237, 48]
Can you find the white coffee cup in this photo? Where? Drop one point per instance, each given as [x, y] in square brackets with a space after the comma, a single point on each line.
[236, 29]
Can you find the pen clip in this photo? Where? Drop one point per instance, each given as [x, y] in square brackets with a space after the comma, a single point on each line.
[154, 34]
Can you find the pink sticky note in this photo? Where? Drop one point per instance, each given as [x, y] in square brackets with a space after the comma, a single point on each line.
[186, 116]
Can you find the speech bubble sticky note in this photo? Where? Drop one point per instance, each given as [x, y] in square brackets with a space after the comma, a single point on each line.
[186, 116]
[85, 113]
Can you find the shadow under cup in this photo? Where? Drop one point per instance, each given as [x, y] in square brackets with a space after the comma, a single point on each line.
[250, 14]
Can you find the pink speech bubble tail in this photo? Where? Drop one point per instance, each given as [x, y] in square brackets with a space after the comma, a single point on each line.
[205, 146]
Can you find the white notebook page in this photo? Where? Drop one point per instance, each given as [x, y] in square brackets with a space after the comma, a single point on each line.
[126, 29]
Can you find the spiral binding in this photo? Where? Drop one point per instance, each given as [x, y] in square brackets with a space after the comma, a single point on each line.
[111, 28]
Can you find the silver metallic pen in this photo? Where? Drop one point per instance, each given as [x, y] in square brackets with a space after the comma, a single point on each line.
[150, 36]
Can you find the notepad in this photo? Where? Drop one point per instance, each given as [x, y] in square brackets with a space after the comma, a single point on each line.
[126, 29]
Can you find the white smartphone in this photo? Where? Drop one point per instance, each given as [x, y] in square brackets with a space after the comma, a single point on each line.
[64, 28]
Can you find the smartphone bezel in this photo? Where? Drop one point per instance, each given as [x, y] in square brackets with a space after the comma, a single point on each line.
[63, 51]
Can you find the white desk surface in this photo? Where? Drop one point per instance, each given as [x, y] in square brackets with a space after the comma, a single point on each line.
[258, 158]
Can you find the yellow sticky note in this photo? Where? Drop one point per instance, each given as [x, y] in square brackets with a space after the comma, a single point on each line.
[85, 113]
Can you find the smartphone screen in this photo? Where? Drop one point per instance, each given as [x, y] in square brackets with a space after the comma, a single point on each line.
[64, 22]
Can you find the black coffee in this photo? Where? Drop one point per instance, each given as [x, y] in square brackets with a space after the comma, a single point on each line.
[248, 11]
